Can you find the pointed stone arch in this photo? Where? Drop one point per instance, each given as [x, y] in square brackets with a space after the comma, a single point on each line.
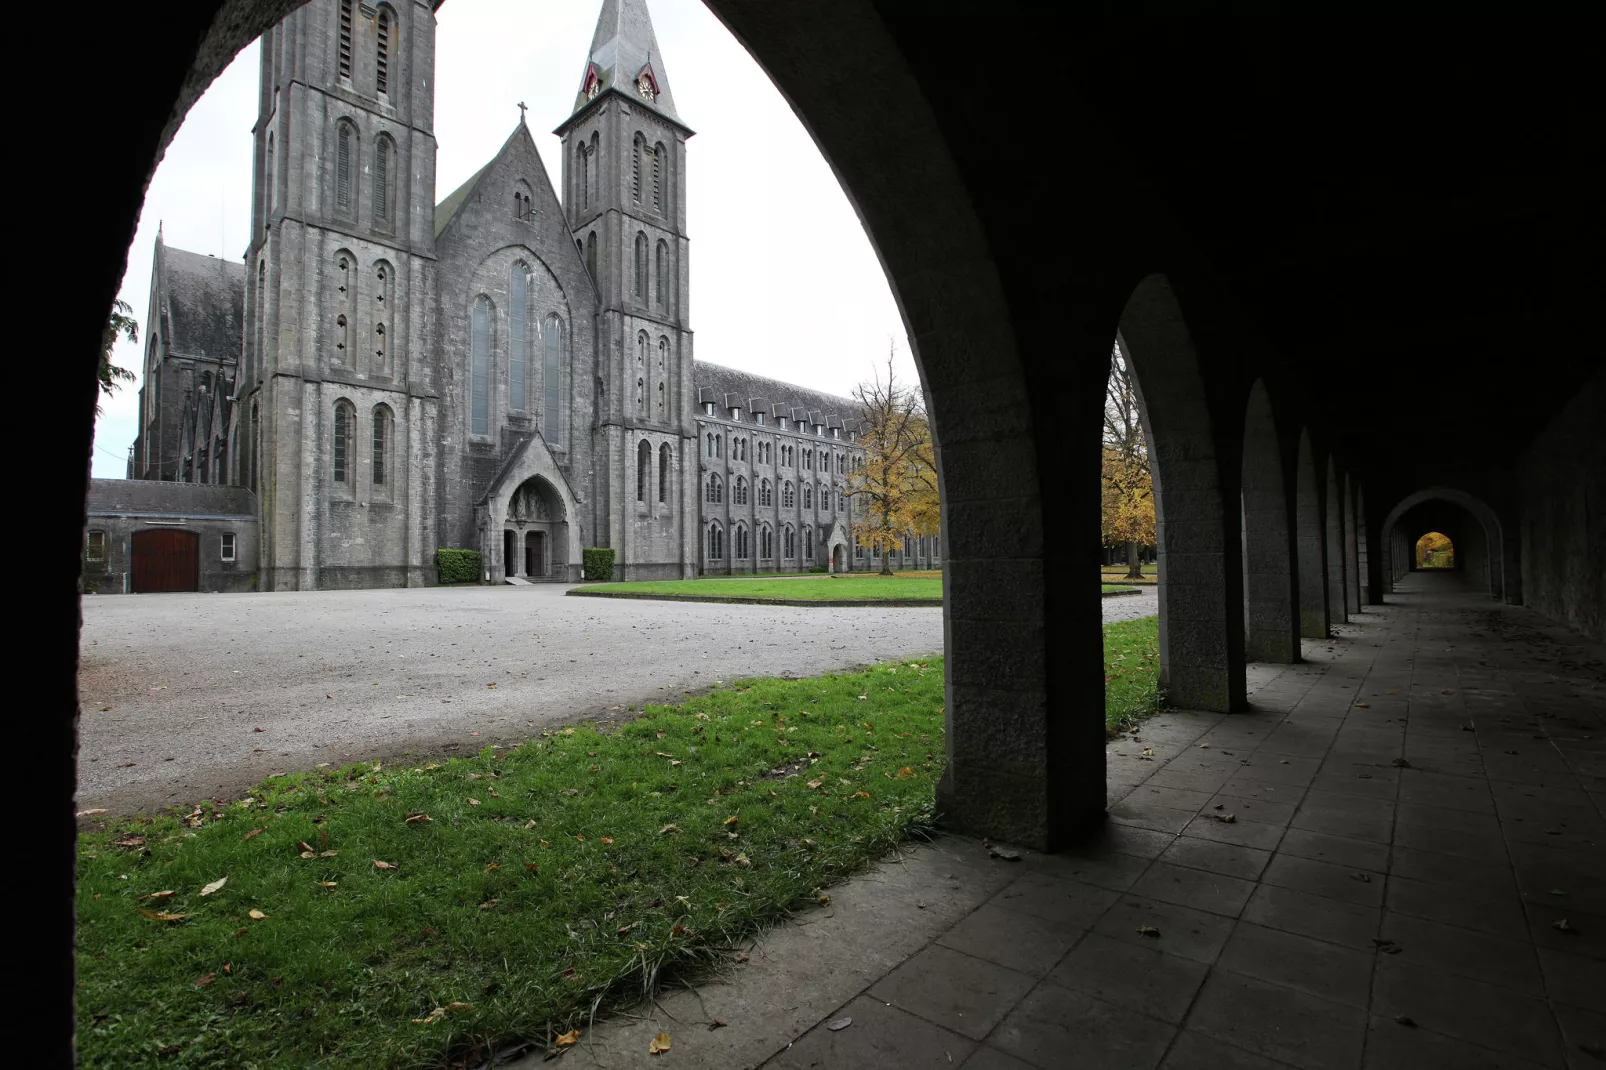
[1201, 627]
[531, 460]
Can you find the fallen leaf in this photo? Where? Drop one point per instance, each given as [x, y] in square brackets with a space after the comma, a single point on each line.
[1403, 1020]
[815, 783]
[532, 867]
[214, 886]
[1563, 926]
[715, 1024]
[565, 1040]
[1147, 930]
[493, 867]
[861, 795]
[473, 802]
[125, 765]
[1004, 853]
[668, 828]
[1364, 878]
[606, 839]
[1402, 763]
[415, 817]
[327, 884]
[659, 1044]
[1226, 818]
[259, 729]
[731, 820]
[205, 980]
[1363, 705]
[255, 914]
[160, 916]
[255, 832]
[839, 1024]
[327, 854]
[384, 865]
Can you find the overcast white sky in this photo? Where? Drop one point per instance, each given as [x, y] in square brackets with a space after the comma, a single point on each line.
[771, 231]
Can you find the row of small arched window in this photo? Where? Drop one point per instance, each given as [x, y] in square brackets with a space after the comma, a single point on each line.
[714, 493]
[343, 456]
[714, 446]
[649, 174]
[385, 26]
[741, 547]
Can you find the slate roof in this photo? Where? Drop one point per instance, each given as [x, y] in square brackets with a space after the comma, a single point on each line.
[726, 387]
[455, 200]
[621, 46]
[202, 304]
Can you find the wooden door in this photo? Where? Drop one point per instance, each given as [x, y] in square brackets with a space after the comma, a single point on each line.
[166, 560]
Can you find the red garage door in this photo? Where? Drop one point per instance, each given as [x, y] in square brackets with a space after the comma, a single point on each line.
[166, 561]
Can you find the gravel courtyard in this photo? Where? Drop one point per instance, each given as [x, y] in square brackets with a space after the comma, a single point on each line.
[191, 696]
[208, 693]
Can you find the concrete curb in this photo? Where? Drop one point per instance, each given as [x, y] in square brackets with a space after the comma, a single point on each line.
[894, 603]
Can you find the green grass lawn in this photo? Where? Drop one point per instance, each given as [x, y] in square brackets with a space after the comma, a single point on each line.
[521, 890]
[559, 876]
[1131, 667]
[1109, 587]
[808, 589]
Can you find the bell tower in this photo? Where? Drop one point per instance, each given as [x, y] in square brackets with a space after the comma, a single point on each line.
[624, 168]
[336, 396]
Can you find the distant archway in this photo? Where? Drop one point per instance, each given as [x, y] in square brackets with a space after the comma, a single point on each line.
[1484, 552]
[1435, 550]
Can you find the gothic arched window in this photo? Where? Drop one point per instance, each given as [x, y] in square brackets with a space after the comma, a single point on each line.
[343, 340]
[382, 51]
[345, 434]
[716, 489]
[381, 444]
[344, 62]
[384, 166]
[660, 163]
[790, 542]
[639, 147]
[582, 178]
[664, 457]
[643, 470]
[591, 256]
[739, 491]
[741, 542]
[787, 498]
[661, 279]
[766, 543]
[808, 496]
[479, 420]
[345, 165]
[593, 176]
[641, 267]
[716, 542]
[808, 543]
[766, 494]
[518, 346]
[552, 380]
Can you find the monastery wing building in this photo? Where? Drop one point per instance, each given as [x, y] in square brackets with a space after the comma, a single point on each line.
[508, 369]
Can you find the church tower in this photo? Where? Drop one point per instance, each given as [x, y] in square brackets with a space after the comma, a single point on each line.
[624, 168]
[335, 410]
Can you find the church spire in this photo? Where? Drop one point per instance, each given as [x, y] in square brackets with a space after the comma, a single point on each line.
[624, 56]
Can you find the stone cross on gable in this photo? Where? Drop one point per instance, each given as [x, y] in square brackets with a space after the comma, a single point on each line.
[521, 113]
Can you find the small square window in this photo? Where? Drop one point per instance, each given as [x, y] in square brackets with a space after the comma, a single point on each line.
[96, 550]
[228, 546]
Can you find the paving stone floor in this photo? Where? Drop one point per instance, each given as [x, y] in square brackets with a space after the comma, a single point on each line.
[1398, 859]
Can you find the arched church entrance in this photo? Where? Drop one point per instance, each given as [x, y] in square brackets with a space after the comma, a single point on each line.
[839, 558]
[535, 531]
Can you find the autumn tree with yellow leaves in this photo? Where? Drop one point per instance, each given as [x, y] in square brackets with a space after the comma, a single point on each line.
[1128, 487]
[894, 489]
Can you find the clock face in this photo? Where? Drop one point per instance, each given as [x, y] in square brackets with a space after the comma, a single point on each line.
[591, 90]
[645, 88]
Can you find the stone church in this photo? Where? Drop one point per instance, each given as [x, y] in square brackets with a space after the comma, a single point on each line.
[509, 369]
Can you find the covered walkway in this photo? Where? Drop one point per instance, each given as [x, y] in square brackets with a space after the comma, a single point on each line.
[1396, 858]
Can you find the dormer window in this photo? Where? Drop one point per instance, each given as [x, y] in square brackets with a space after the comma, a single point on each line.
[708, 408]
[646, 87]
[593, 84]
[759, 417]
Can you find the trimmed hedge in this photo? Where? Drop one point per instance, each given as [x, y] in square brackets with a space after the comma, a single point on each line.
[598, 561]
[459, 566]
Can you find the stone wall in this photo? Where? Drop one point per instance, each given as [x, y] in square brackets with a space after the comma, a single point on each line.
[1563, 515]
